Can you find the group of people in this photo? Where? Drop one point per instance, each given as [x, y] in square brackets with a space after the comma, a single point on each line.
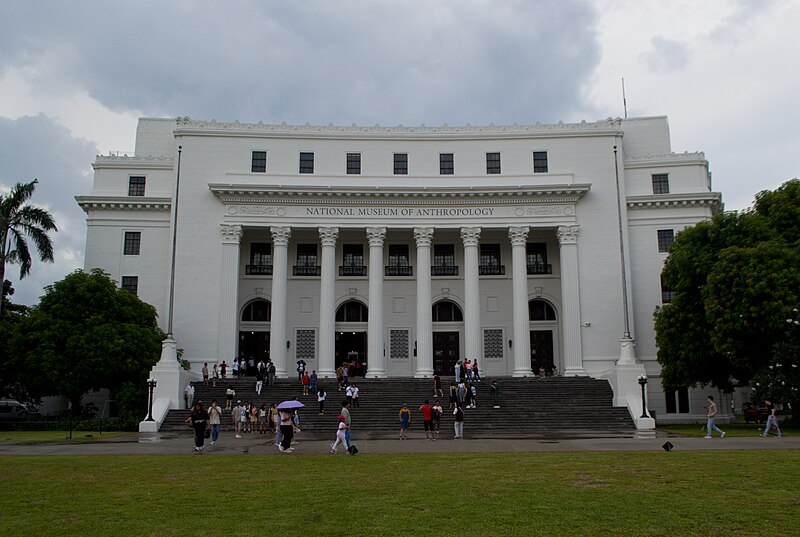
[711, 416]
[264, 371]
[431, 420]
[467, 370]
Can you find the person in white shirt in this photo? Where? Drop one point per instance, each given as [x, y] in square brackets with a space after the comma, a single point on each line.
[189, 395]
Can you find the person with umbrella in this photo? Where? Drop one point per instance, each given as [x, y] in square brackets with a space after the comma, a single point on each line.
[285, 410]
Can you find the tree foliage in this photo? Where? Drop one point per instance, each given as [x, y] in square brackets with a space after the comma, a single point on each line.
[86, 333]
[20, 221]
[736, 279]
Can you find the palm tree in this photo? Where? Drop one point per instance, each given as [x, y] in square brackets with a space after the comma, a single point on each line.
[19, 220]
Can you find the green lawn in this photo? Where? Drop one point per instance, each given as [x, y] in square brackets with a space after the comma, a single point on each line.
[739, 429]
[575, 494]
[57, 436]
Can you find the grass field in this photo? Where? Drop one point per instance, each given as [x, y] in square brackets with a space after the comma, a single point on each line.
[577, 494]
[732, 430]
[57, 436]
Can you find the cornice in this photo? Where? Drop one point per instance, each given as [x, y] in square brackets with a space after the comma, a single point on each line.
[189, 127]
[123, 203]
[708, 199]
[301, 195]
[125, 161]
[666, 159]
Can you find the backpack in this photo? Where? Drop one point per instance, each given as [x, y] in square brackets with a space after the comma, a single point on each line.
[352, 450]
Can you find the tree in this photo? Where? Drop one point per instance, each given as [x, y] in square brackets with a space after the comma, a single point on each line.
[86, 333]
[14, 313]
[735, 280]
[19, 220]
[780, 380]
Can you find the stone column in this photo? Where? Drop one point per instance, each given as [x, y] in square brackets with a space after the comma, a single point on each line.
[376, 355]
[519, 274]
[424, 238]
[229, 292]
[470, 236]
[327, 303]
[570, 296]
[280, 261]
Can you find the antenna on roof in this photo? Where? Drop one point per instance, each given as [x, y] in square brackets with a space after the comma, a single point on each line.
[624, 100]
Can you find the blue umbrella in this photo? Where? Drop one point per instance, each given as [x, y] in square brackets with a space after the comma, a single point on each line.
[290, 405]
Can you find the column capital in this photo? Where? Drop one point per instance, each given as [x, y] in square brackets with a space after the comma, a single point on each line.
[231, 233]
[471, 236]
[280, 235]
[328, 235]
[423, 236]
[518, 235]
[568, 234]
[376, 236]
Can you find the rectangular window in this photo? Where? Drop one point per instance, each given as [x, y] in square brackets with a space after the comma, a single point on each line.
[540, 162]
[305, 348]
[536, 258]
[401, 163]
[677, 401]
[307, 260]
[260, 259]
[492, 163]
[136, 186]
[398, 261]
[259, 162]
[352, 260]
[489, 264]
[130, 284]
[660, 183]
[444, 260]
[133, 242]
[492, 343]
[665, 239]
[306, 162]
[398, 344]
[666, 293]
[354, 163]
[446, 166]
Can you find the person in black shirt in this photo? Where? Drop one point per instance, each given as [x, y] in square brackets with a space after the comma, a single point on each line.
[772, 419]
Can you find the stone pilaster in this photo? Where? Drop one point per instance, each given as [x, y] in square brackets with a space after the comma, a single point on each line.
[229, 292]
[570, 296]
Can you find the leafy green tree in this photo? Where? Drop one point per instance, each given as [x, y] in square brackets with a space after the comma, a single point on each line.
[86, 333]
[19, 220]
[780, 380]
[14, 313]
[735, 279]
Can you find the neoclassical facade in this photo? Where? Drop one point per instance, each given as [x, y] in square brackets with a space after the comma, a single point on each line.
[525, 247]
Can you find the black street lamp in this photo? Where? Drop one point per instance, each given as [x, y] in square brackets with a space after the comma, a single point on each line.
[643, 382]
[151, 383]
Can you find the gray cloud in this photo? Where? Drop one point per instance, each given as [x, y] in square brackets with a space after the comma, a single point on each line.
[319, 61]
[37, 147]
[666, 55]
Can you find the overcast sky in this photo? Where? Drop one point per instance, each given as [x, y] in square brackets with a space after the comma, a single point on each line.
[75, 76]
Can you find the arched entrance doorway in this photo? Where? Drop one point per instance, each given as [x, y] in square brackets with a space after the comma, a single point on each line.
[448, 319]
[351, 337]
[254, 330]
[543, 324]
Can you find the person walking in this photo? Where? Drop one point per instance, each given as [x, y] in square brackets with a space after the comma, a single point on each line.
[205, 374]
[301, 369]
[474, 395]
[199, 422]
[711, 415]
[495, 394]
[188, 394]
[229, 393]
[427, 419]
[215, 376]
[259, 381]
[306, 380]
[346, 413]
[214, 416]
[772, 419]
[457, 371]
[223, 369]
[236, 418]
[475, 372]
[312, 383]
[458, 424]
[271, 369]
[453, 396]
[355, 403]
[405, 421]
[321, 395]
[286, 431]
[437, 417]
[437, 386]
[341, 432]
[235, 368]
[275, 423]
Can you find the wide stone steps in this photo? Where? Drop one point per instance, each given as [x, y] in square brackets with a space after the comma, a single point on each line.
[531, 408]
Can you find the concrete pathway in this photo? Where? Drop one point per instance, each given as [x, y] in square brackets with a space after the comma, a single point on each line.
[177, 444]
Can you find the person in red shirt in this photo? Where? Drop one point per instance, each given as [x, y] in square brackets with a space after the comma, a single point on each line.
[306, 382]
[427, 419]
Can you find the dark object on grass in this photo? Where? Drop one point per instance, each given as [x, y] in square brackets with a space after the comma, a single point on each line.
[352, 450]
[667, 446]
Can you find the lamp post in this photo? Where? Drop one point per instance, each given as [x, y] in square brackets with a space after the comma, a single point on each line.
[151, 383]
[642, 379]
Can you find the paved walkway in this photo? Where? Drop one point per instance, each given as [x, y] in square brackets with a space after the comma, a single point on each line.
[176, 444]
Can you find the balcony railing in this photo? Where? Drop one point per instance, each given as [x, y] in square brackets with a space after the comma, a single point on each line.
[396, 270]
[438, 270]
[307, 270]
[347, 270]
[258, 270]
[491, 270]
[540, 269]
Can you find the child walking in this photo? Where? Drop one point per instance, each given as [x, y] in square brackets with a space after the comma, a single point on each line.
[340, 435]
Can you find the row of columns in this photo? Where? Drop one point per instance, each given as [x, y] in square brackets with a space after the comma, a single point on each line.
[470, 236]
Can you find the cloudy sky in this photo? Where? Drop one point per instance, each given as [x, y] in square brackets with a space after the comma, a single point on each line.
[75, 76]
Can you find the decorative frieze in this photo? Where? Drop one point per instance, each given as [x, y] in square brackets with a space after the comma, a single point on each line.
[545, 210]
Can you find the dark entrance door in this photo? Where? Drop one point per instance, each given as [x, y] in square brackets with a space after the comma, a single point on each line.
[542, 351]
[351, 347]
[445, 352]
[255, 344]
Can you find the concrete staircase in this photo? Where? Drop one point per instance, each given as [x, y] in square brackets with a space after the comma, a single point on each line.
[552, 407]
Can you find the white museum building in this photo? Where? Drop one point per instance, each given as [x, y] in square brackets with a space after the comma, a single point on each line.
[524, 247]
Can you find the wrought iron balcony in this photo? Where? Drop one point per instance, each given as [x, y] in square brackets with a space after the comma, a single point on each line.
[352, 270]
[441, 270]
[397, 270]
[307, 270]
[540, 269]
[491, 270]
[258, 270]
